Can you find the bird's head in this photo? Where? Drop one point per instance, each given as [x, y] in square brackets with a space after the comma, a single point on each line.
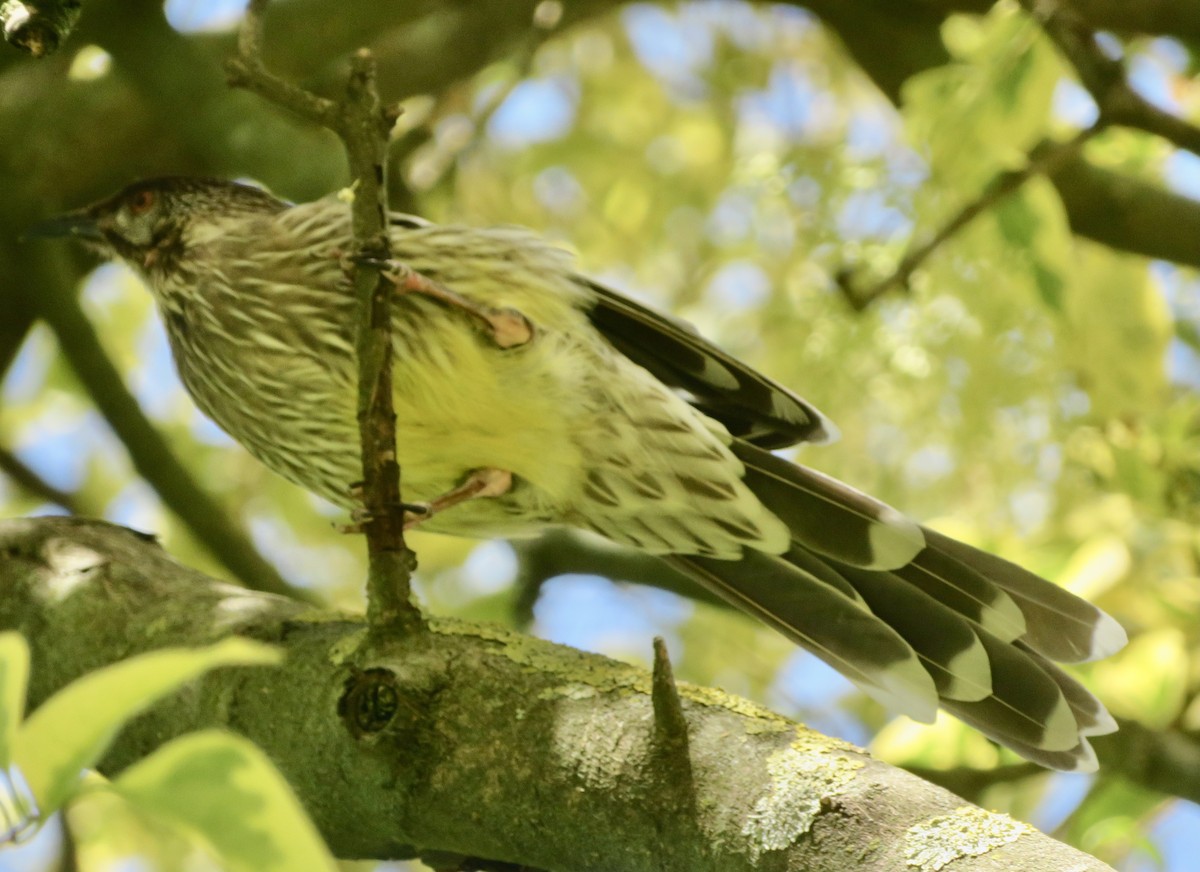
[150, 224]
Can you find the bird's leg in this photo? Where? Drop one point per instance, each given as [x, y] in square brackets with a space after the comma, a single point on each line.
[507, 327]
[486, 482]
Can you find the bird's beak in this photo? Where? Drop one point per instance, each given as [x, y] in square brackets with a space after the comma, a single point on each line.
[80, 223]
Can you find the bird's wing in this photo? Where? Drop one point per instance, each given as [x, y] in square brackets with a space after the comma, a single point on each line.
[750, 405]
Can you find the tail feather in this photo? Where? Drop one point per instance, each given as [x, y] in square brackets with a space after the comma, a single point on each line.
[822, 619]
[954, 656]
[1059, 624]
[829, 517]
[971, 594]
[1026, 706]
[1091, 716]
[917, 619]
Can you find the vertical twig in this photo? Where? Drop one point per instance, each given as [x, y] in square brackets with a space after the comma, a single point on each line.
[363, 125]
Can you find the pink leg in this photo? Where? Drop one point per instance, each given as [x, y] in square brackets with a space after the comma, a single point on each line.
[507, 327]
[486, 482]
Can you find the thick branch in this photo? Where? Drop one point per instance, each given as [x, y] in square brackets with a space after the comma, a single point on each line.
[38, 26]
[1105, 78]
[482, 743]
[1165, 761]
[1128, 214]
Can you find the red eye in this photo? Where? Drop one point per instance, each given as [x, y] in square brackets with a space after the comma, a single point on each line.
[140, 201]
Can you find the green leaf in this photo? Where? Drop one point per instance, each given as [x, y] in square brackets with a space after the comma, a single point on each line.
[1034, 221]
[1148, 680]
[1120, 327]
[14, 676]
[983, 111]
[72, 729]
[225, 789]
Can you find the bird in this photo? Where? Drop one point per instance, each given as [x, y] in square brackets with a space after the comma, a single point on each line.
[529, 397]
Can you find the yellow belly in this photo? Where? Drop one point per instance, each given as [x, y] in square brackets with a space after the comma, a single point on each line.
[463, 404]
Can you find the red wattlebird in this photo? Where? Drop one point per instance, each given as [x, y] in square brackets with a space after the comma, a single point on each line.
[529, 396]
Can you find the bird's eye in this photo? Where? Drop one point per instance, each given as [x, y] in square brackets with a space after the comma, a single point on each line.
[140, 202]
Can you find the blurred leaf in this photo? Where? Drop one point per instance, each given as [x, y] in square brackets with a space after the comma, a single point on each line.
[107, 831]
[1034, 221]
[946, 743]
[1120, 327]
[1148, 680]
[14, 676]
[990, 105]
[1111, 820]
[221, 786]
[71, 731]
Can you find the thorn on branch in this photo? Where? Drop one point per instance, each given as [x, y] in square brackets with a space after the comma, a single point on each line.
[670, 725]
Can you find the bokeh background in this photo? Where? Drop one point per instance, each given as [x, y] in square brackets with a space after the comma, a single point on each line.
[1032, 391]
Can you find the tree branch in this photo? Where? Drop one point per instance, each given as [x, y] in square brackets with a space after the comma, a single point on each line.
[1105, 78]
[38, 26]
[475, 741]
[894, 41]
[26, 478]
[1179, 18]
[1161, 760]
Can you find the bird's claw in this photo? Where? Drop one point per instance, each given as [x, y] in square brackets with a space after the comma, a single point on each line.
[360, 516]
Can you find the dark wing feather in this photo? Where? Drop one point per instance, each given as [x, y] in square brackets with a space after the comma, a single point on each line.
[750, 405]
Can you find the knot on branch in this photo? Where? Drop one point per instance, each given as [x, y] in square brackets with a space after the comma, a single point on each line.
[369, 702]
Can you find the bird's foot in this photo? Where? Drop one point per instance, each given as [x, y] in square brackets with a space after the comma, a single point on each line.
[507, 327]
[485, 482]
[360, 515]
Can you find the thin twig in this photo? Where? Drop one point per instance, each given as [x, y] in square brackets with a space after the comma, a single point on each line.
[27, 478]
[1116, 102]
[246, 70]
[363, 125]
[1044, 161]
